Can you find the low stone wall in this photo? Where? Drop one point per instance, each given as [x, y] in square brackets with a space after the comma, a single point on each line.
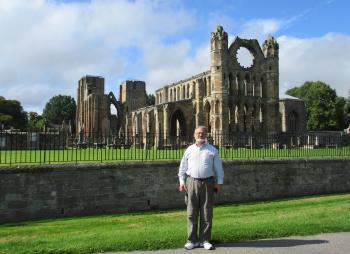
[56, 191]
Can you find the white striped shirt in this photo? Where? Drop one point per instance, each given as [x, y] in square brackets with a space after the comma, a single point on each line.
[201, 162]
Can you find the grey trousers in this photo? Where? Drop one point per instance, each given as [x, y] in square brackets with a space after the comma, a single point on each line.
[200, 200]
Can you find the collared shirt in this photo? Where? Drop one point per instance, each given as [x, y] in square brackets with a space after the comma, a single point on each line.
[201, 162]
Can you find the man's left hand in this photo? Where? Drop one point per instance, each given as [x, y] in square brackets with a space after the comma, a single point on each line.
[218, 188]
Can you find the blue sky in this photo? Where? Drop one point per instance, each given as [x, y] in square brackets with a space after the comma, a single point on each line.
[46, 46]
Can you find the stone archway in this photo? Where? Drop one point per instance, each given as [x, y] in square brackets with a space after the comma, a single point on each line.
[116, 121]
[178, 124]
[293, 122]
[207, 110]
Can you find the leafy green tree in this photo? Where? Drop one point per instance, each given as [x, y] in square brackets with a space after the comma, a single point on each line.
[340, 103]
[59, 108]
[5, 121]
[324, 108]
[35, 121]
[12, 114]
[347, 112]
[150, 99]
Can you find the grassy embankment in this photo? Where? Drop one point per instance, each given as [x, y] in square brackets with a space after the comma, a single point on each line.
[167, 229]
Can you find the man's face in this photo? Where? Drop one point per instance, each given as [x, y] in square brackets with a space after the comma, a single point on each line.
[200, 135]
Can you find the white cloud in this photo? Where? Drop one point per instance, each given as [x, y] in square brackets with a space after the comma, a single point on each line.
[32, 94]
[46, 46]
[217, 17]
[170, 63]
[260, 28]
[325, 58]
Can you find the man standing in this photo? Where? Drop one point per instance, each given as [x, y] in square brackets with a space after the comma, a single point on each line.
[200, 175]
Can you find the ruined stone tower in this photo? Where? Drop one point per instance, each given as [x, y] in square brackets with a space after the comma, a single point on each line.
[132, 96]
[219, 70]
[93, 113]
[270, 50]
[243, 99]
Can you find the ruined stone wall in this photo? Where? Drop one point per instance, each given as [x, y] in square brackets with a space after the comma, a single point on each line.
[228, 98]
[182, 90]
[253, 91]
[190, 96]
[293, 115]
[132, 95]
[31, 192]
[231, 98]
[92, 115]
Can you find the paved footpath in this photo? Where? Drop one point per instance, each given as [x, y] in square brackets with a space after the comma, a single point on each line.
[338, 243]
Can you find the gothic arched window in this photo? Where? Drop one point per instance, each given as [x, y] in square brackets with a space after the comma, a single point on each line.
[293, 122]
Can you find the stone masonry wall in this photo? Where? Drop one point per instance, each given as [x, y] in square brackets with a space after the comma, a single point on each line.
[57, 191]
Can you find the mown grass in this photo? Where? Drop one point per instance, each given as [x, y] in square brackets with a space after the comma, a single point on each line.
[14, 157]
[167, 229]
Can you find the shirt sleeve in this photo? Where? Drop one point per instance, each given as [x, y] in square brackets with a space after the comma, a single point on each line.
[219, 171]
[183, 168]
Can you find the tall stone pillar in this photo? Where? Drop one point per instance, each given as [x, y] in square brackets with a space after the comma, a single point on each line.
[199, 112]
[271, 53]
[219, 79]
[157, 137]
[136, 129]
[249, 118]
[242, 118]
[166, 123]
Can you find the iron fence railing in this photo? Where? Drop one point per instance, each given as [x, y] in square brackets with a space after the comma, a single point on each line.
[57, 147]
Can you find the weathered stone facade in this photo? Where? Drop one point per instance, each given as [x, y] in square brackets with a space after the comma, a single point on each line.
[229, 98]
[92, 105]
[93, 108]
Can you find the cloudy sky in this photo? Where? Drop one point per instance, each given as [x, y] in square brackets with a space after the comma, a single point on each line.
[46, 46]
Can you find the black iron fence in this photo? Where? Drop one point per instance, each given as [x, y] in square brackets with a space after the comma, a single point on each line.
[56, 147]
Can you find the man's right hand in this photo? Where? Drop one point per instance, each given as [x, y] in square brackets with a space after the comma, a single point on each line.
[181, 187]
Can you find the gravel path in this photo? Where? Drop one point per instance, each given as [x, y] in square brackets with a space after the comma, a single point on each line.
[337, 243]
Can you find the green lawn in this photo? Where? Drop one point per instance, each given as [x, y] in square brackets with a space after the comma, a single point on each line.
[13, 157]
[167, 229]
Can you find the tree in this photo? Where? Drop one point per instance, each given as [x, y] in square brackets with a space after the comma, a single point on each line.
[340, 103]
[35, 121]
[347, 112]
[60, 108]
[324, 108]
[150, 99]
[5, 121]
[12, 114]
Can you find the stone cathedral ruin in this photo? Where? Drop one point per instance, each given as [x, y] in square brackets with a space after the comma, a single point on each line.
[230, 99]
